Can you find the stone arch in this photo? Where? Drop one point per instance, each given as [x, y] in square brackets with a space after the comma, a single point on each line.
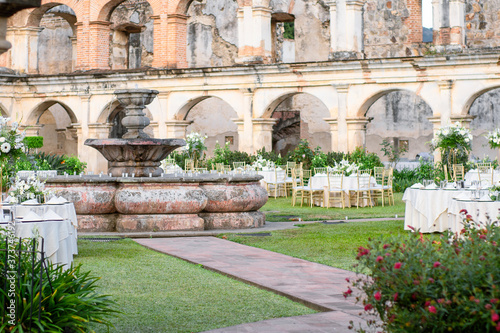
[299, 115]
[3, 111]
[35, 16]
[103, 8]
[399, 116]
[54, 121]
[469, 101]
[183, 6]
[218, 126]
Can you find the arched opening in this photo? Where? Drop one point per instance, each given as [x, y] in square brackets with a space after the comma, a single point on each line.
[401, 118]
[212, 36]
[486, 112]
[131, 38]
[212, 117]
[54, 121]
[57, 41]
[427, 21]
[300, 116]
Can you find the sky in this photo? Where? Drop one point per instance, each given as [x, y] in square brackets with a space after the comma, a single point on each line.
[427, 13]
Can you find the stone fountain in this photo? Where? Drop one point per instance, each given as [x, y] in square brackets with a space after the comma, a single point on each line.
[151, 201]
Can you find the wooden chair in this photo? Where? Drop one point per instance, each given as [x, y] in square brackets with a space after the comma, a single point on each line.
[378, 173]
[219, 167]
[200, 170]
[363, 190]
[311, 194]
[275, 187]
[169, 161]
[485, 173]
[378, 190]
[227, 168]
[297, 187]
[445, 169]
[335, 187]
[458, 172]
[237, 165]
[320, 170]
[189, 165]
[388, 191]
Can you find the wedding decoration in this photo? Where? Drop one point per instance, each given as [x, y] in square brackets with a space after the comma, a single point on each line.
[262, 164]
[345, 166]
[31, 188]
[494, 138]
[195, 145]
[455, 142]
[11, 148]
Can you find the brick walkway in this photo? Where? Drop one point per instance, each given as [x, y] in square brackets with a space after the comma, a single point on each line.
[317, 286]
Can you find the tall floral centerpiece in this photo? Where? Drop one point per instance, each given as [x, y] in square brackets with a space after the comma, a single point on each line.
[455, 143]
[494, 141]
[345, 166]
[11, 148]
[195, 146]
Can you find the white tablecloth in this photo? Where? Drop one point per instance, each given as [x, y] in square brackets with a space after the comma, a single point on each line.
[269, 176]
[481, 211]
[60, 235]
[473, 175]
[349, 183]
[427, 210]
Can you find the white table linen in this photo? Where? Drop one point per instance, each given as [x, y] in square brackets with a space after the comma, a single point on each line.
[427, 210]
[481, 211]
[473, 175]
[349, 183]
[270, 177]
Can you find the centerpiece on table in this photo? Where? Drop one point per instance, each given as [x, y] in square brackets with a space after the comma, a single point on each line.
[262, 164]
[494, 192]
[29, 189]
[195, 146]
[494, 141]
[11, 148]
[455, 144]
[346, 166]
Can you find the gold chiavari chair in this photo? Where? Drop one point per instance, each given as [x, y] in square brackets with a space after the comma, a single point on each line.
[335, 192]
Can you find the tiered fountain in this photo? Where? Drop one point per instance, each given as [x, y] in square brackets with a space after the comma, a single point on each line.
[151, 201]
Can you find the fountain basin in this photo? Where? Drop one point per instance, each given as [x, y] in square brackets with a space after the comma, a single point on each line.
[198, 202]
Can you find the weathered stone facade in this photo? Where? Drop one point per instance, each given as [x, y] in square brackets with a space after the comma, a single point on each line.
[257, 73]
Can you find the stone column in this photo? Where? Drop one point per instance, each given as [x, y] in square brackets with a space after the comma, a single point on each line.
[356, 132]
[99, 131]
[176, 129]
[334, 132]
[241, 128]
[246, 139]
[24, 53]
[436, 125]
[74, 52]
[263, 133]
[254, 33]
[457, 22]
[436, 20]
[333, 25]
[176, 41]
[446, 102]
[354, 29]
[346, 28]
[343, 141]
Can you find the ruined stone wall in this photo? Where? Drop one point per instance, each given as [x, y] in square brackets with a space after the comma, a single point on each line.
[390, 29]
[212, 33]
[131, 49]
[486, 110]
[55, 51]
[482, 23]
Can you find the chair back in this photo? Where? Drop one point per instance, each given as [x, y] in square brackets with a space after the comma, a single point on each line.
[364, 178]
[219, 167]
[483, 167]
[294, 175]
[169, 161]
[279, 175]
[305, 177]
[335, 180]
[378, 173]
[485, 175]
[388, 177]
[320, 170]
[458, 172]
[227, 168]
[237, 165]
[189, 164]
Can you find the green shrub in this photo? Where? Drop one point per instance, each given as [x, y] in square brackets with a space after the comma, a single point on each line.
[270, 156]
[33, 142]
[227, 156]
[417, 284]
[72, 165]
[68, 302]
[301, 154]
[364, 159]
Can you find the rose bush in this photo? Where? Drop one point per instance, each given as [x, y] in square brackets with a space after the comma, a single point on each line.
[449, 283]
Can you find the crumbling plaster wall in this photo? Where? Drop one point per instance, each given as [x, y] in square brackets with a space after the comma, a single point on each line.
[55, 50]
[486, 109]
[482, 23]
[212, 33]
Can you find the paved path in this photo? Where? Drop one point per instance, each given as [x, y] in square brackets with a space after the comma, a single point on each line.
[317, 286]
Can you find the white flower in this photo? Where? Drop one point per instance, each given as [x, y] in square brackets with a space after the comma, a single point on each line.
[5, 147]
[2, 139]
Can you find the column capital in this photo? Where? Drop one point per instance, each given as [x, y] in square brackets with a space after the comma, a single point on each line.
[355, 4]
[445, 84]
[465, 119]
[247, 91]
[264, 121]
[341, 88]
[331, 121]
[180, 123]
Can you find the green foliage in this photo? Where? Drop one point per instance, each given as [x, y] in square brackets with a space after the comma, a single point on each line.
[417, 284]
[227, 156]
[72, 165]
[335, 157]
[69, 302]
[302, 154]
[319, 160]
[393, 154]
[364, 159]
[289, 28]
[271, 156]
[33, 142]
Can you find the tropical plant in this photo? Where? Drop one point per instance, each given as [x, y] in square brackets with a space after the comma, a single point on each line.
[421, 284]
[364, 159]
[52, 299]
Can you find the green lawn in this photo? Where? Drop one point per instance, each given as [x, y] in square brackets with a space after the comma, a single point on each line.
[158, 293]
[281, 209]
[330, 244]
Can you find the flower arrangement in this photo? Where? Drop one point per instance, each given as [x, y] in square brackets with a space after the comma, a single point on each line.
[262, 164]
[195, 145]
[31, 188]
[11, 141]
[494, 138]
[453, 136]
[346, 166]
[494, 192]
[428, 284]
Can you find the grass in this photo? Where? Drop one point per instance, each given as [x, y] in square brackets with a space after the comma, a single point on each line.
[159, 293]
[281, 209]
[330, 244]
